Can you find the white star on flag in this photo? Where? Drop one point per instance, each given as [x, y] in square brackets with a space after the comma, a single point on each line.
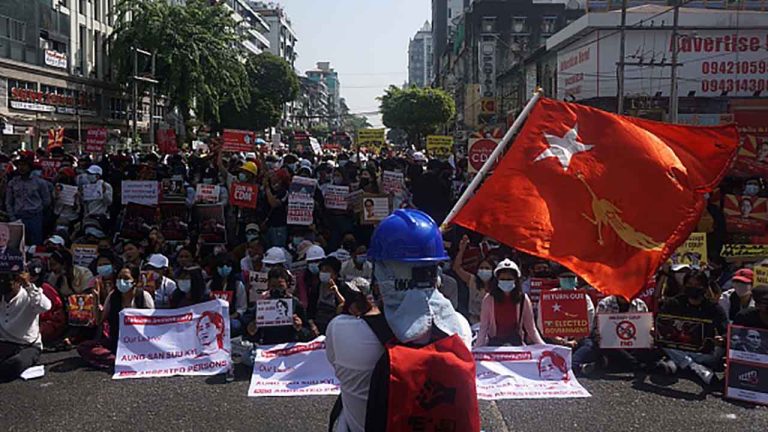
[556, 307]
[564, 148]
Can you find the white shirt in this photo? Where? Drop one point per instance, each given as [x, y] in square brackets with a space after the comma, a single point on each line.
[19, 318]
[164, 292]
[349, 271]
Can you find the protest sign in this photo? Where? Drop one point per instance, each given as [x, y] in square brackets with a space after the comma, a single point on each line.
[746, 375]
[336, 197]
[355, 201]
[174, 221]
[138, 221]
[274, 313]
[478, 151]
[193, 340]
[12, 259]
[746, 214]
[93, 191]
[295, 369]
[564, 313]
[693, 252]
[96, 140]
[148, 281]
[439, 146]
[748, 252]
[50, 167]
[140, 192]
[752, 158]
[392, 182]
[625, 330]
[373, 139]
[166, 141]
[238, 140]
[301, 202]
[67, 194]
[680, 332]
[173, 189]
[537, 285]
[210, 220]
[761, 275]
[243, 195]
[84, 254]
[207, 193]
[526, 372]
[257, 284]
[375, 208]
[223, 295]
[81, 310]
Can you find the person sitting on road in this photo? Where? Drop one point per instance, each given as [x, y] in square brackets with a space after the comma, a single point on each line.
[740, 295]
[329, 300]
[568, 282]
[308, 280]
[164, 286]
[190, 288]
[226, 280]
[756, 316]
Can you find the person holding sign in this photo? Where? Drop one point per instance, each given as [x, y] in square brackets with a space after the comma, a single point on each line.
[226, 285]
[26, 197]
[740, 295]
[568, 283]
[66, 198]
[97, 206]
[278, 280]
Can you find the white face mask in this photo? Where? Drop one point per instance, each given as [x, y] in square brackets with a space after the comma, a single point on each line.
[185, 285]
[507, 285]
[485, 275]
[124, 285]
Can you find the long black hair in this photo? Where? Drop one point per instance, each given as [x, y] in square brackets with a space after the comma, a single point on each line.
[218, 282]
[197, 287]
[516, 294]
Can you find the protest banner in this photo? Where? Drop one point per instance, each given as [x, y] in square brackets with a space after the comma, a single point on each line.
[439, 146]
[166, 141]
[537, 285]
[373, 139]
[630, 330]
[336, 197]
[274, 313]
[84, 254]
[172, 189]
[55, 138]
[50, 167]
[193, 340]
[746, 214]
[294, 369]
[207, 193]
[143, 192]
[375, 208]
[257, 284]
[564, 313]
[243, 195]
[752, 158]
[12, 259]
[526, 372]
[301, 201]
[93, 191]
[746, 252]
[392, 182]
[138, 221]
[681, 332]
[746, 375]
[693, 252]
[236, 141]
[81, 310]
[210, 222]
[67, 194]
[96, 140]
[174, 221]
[148, 281]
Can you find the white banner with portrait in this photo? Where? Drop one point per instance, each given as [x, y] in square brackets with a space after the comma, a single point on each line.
[193, 340]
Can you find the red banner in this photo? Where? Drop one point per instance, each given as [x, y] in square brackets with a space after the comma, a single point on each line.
[564, 313]
[96, 140]
[50, 167]
[243, 195]
[238, 140]
[223, 295]
[166, 141]
[753, 136]
[55, 138]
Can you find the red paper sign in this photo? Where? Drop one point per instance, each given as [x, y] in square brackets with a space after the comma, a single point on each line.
[50, 167]
[541, 284]
[96, 140]
[243, 195]
[82, 310]
[238, 140]
[166, 141]
[752, 158]
[479, 151]
[564, 313]
[223, 295]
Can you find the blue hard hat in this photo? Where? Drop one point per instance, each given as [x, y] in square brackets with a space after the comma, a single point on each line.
[407, 236]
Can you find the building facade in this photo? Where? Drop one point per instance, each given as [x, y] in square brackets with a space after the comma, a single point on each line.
[330, 77]
[420, 70]
[312, 105]
[251, 25]
[282, 39]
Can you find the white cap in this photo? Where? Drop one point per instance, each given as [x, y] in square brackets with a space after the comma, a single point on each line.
[274, 255]
[507, 264]
[56, 239]
[315, 253]
[95, 169]
[419, 157]
[158, 261]
[360, 284]
[680, 266]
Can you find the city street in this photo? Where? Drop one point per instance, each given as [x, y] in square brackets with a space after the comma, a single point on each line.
[72, 396]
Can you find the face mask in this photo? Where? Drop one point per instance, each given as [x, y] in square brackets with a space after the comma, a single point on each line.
[360, 259]
[104, 270]
[507, 285]
[325, 277]
[741, 289]
[751, 189]
[124, 285]
[184, 285]
[313, 268]
[568, 283]
[251, 237]
[242, 177]
[485, 275]
[224, 271]
[92, 178]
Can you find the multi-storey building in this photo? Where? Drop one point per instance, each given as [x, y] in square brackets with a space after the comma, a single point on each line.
[325, 73]
[282, 39]
[420, 71]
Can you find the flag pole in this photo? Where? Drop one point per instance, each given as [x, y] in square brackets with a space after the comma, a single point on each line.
[491, 159]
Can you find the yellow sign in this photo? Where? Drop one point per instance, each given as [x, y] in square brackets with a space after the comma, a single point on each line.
[439, 146]
[747, 252]
[693, 252]
[371, 138]
[761, 275]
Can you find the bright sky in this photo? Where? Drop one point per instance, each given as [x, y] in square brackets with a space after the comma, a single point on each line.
[366, 41]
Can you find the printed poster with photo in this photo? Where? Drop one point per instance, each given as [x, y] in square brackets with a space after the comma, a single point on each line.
[746, 372]
[81, 310]
[745, 214]
[274, 313]
[84, 254]
[174, 221]
[172, 189]
[693, 252]
[375, 208]
[680, 332]
[752, 158]
[210, 220]
[12, 247]
[301, 201]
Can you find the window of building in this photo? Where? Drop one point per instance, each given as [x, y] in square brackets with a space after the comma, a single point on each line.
[519, 25]
[12, 83]
[548, 25]
[117, 108]
[12, 29]
[488, 25]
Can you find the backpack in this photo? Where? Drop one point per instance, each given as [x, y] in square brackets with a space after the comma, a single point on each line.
[416, 388]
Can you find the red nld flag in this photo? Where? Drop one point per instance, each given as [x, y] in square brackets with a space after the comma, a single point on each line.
[610, 197]
[55, 138]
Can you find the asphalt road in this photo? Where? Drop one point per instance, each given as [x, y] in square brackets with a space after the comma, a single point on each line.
[73, 397]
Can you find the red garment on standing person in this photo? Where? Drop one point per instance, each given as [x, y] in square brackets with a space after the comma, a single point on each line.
[506, 319]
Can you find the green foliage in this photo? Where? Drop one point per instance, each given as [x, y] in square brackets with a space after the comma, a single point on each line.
[418, 111]
[271, 83]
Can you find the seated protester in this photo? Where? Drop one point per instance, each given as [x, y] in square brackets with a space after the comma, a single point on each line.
[506, 316]
[100, 352]
[329, 300]
[20, 343]
[478, 284]
[252, 261]
[299, 331]
[276, 257]
[240, 252]
[53, 322]
[358, 266]
[587, 355]
[225, 284]
[185, 257]
[308, 281]
[65, 276]
[670, 284]
[568, 282]
[164, 287]
[756, 316]
[740, 295]
[190, 288]
[105, 266]
[694, 303]
[133, 254]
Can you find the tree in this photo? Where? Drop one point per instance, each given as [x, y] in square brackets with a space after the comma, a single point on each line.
[271, 84]
[418, 111]
[198, 59]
